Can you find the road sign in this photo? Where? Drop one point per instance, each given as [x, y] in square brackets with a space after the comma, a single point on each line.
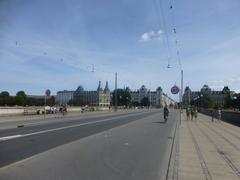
[175, 90]
[47, 92]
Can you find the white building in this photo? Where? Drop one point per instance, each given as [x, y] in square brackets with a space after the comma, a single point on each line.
[100, 97]
[157, 98]
[63, 97]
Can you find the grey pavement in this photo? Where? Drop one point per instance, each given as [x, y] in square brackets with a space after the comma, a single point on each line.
[131, 146]
[208, 150]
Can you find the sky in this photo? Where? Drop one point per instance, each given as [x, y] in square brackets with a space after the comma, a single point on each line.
[61, 44]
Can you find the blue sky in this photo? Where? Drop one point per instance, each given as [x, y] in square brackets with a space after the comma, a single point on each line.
[54, 44]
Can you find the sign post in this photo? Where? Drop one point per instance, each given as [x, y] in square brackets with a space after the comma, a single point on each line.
[47, 93]
[175, 90]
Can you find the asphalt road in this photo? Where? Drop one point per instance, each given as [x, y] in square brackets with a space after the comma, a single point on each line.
[124, 146]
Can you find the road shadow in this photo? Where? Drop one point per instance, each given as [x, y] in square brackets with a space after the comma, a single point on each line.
[159, 122]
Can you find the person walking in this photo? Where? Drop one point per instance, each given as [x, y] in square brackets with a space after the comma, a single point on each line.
[188, 113]
[212, 114]
[195, 113]
[165, 113]
[192, 112]
[219, 115]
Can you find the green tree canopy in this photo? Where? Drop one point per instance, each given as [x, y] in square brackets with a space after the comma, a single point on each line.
[20, 101]
[4, 94]
[145, 101]
[123, 97]
[4, 98]
[21, 93]
[136, 103]
[206, 101]
[20, 98]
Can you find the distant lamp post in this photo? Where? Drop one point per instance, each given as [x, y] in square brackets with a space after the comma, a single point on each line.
[127, 102]
[115, 104]
[47, 94]
[120, 102]
[111, 99]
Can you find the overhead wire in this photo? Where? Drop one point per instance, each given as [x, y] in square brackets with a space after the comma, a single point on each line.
[174, 31]
[165, 29]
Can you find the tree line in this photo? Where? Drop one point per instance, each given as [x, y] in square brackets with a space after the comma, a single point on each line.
[21, 99]
[124, 99]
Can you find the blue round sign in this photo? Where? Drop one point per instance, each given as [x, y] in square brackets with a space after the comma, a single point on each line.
[175, 90]
[47, 92]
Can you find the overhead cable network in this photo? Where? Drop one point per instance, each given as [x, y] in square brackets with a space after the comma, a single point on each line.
[163, 25]
[174, 31]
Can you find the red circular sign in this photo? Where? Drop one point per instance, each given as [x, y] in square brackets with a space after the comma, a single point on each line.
[175, 90]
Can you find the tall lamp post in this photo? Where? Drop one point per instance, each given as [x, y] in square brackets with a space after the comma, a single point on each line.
[47, 94]
[115, 91]
[181, 95]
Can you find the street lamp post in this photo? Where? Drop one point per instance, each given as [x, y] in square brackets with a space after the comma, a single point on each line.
[181, 96]
[47, 94]
[120, 102]
[45, 102]
[115, 91]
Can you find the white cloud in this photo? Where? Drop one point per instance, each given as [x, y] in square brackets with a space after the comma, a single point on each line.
[146, 36]
[151, 35]
[225, 82]
[160, 32]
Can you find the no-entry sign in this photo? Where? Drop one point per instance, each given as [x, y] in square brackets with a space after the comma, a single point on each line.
[175, 90]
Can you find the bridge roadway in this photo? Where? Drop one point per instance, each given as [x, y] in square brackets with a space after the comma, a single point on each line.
[131, 145]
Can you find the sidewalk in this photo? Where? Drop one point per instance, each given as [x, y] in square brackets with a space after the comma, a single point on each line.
[208, 150]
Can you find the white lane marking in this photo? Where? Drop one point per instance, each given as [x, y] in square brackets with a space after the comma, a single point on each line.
[9, 137]
[57, 129]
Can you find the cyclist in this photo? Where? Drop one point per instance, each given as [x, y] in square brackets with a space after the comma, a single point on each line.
[165, 113]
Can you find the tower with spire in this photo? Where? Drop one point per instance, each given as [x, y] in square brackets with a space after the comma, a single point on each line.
[99, 89]
[103, 95]
[106, 89]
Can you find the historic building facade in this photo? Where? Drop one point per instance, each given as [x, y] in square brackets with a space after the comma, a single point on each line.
[218, 97]
[63, 97]
[100, 97]
[157, 98]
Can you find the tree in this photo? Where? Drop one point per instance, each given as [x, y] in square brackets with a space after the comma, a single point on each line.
[236, 100]
[206, 101]
[145, 101]
[21, 98]
[135, 103]
[20, 101]
[4, 98]
[21, 93]
[123, 97]
[228, 101]
[31, 102]
[11, 101]
[4, 94]
[51, 101]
